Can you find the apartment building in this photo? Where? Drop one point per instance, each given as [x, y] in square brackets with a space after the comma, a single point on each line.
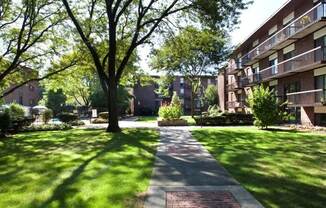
[28, 95]
[147, 102]
[287, 53]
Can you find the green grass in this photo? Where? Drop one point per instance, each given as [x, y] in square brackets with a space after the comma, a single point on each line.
[150, 119]
[76, 168]
[281, 169]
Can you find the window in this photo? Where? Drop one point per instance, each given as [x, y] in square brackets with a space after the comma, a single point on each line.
[182, 80]
[182, 101]
[288, 66]
[182, 91]
[293, 87]
[320, 83]
[21, 100]
[320, 54]
[209, 81]
[273, 64]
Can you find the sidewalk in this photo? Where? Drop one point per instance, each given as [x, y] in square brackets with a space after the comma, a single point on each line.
[186, 176]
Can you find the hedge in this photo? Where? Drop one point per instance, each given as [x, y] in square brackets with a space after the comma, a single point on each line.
[225, 120]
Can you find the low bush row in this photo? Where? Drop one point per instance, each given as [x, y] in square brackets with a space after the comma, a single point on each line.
[225, 119]
[46, 127]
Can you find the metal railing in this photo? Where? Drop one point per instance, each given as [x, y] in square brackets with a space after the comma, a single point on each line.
[310, 97]
[234, 67]
[297, 63]
[310, 17]
[234, 86]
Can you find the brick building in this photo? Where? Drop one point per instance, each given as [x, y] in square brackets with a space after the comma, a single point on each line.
[27, 95]
[287, 53]
[147, 102]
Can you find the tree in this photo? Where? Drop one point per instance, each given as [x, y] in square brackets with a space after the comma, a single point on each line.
[192, 53]
[264, 106]
[164, 85]
[29, 39]
[127, 24]
[211, 95]
[97, 94]
[55, 100]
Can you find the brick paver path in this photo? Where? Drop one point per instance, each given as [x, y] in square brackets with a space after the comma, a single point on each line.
[185, 175]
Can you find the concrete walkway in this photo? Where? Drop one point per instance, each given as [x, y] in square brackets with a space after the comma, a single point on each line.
[186, 176]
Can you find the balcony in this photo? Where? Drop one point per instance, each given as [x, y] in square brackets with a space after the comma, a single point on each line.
[251, 80]
[233, 86]
[307, 98]
[234, 67]
[307, 23]
[235, 104]
[309, 60]
[304, 62]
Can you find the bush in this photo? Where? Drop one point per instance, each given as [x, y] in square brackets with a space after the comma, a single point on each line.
[100, 121]
[170, 112]
[225, 119]
[17, 112]
[47, 127]
[47, 115]
[213, 111]
[264, 106]
[4, 122]
[77, 123]
[104, 115]
[67, 117]
[175, 101]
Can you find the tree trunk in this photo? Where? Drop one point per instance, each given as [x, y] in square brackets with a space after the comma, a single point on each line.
[112, 106]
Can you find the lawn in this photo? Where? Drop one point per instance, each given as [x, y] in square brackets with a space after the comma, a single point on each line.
[76, 168]
[281, 169]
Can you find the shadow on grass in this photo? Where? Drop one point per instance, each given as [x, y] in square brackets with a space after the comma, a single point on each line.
[281, 169]
[77, 168]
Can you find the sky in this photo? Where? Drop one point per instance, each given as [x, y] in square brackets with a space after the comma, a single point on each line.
[253, 17]
[256, 14]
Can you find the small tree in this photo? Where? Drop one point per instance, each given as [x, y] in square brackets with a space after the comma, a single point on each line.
[175, 101]
[211, 95]
[264, 106]
[55, 100]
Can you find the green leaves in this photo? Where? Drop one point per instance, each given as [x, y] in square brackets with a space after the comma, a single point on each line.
[264, 106]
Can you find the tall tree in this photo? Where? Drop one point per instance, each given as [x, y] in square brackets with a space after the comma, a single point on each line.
[192, 53]
[29, 39]
[134, 22]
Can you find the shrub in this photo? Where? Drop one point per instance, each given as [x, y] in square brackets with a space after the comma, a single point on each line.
[170, 112]
[225, 119]
[213, 111]
[211, 95]
[17, 112]
[77, 123]
[47, 127]
[47, 115]
[67, 117]
[4, 122]
[264, 106]
[104, 115]
[175, 101]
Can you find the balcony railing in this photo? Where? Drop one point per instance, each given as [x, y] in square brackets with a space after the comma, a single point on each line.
[234, 86]
[304, 21]
[302, 62]
[234, 67]
[307, 98]
[252, 79]
[236, 104]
